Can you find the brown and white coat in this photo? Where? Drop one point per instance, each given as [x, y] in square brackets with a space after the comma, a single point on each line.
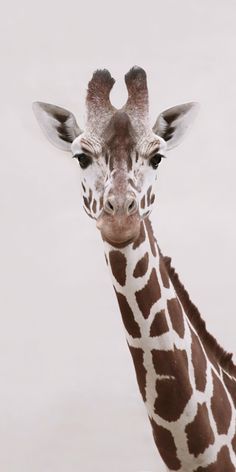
[187, 381]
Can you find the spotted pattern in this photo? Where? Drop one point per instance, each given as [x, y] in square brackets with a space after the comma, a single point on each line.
[166, 446]
[118, 266]
[199, 432]
[163, 370]
[164, 275]
[234, 443]
[141, 266]
[127, 315]
[169, 362]
[174, 390]
[220, 406]
[222, 464]
[231, 386]
[149, 294]
[137, 355]
[212, 358]
[176, 316]
[159, 325]
[199, 363]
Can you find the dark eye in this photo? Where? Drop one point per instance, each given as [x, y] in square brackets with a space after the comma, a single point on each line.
[84, 160]
[155, 160]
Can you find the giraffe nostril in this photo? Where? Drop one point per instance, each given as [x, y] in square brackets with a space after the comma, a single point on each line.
[109, 206]
[131, 206]
[128, 206]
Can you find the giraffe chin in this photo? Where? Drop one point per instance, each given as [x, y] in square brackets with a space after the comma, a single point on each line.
[119, 232]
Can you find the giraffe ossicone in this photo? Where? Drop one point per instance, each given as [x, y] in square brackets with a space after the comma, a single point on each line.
[187, 381]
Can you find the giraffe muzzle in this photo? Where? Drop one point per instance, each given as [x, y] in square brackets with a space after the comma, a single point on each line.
[128, 206]
[119, 221]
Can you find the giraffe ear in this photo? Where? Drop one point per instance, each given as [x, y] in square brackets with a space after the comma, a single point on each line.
[59, 125]
[172, 124]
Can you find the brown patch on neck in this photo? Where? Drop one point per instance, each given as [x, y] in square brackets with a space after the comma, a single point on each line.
[166, 446]
[230, 384]
[137, 355]
[159, 325]
[176, 316]
[223, 463]
[199, 363]
[220, 406]
[199, 432]
[234, 443]
[150, 294]
[221, 357]
[118, 266]
[141, 266]
[174, 390]
[163, 272]
[127, 316]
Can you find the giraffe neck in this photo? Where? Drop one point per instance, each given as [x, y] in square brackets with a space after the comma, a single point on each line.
[178, 383]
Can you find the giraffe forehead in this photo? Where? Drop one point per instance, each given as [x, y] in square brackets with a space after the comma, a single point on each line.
[124, 144]
[120, 134]
[119, 137]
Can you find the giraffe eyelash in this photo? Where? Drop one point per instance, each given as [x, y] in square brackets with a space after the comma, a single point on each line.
[83, 159]
[155, 160]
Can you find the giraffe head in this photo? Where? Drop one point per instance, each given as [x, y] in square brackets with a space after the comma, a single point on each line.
[118, 152]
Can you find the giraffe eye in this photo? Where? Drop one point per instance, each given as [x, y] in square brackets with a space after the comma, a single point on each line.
[155, 160]
[84, 160]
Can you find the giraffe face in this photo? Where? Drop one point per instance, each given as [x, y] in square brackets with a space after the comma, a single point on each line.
[118, 152]
[118, 174]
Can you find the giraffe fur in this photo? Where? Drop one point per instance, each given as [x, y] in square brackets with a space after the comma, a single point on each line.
[186, 380]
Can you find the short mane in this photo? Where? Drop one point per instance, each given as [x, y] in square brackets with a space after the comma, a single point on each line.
[223, 358]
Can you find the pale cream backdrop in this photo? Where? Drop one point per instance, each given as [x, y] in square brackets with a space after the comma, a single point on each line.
[68, 395]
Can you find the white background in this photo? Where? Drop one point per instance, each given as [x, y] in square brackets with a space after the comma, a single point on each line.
[68, 396]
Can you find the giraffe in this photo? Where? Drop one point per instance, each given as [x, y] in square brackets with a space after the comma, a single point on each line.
[186, 380]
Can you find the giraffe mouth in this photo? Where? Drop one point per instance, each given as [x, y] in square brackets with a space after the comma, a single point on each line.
[119, 231]
[119, 245]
